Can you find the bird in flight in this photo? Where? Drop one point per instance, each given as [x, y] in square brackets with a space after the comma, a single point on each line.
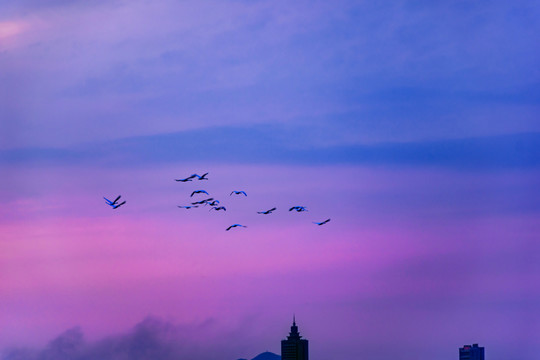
[213, 203]
[266, 212]
[298, 208]
[202, 201]
[235, 225]
[203, 176]
[118, 205]
[184, 180]
[218, 208]
[112, 203]
[322, 222]
[187, 207]
[198, 192]
[238, 192]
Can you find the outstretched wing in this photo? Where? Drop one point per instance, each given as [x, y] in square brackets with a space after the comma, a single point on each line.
[117, 206]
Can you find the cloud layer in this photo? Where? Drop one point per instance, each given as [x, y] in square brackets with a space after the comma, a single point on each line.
[152, 338]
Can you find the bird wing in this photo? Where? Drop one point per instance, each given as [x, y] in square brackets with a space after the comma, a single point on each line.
[117, 206]
[118, 198]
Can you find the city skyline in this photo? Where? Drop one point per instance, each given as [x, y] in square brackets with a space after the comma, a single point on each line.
[412, 125]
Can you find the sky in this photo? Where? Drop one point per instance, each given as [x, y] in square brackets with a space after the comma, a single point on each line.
[412, 125]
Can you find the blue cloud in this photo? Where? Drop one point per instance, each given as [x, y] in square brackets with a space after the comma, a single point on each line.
[277, 145]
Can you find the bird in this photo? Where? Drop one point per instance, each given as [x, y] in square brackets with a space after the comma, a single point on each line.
[117, 206]
[213, 203]
[202, 201]
[235, 225]
[218, 208]
[198, 192]
[187, 207]
[184, 180]
[203, 176]
[322, 222]
[238, 193]
[266, 212]
[298, 208]
[112, 203]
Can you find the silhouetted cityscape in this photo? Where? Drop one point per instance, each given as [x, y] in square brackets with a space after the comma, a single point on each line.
[471, 352]
[294, 348]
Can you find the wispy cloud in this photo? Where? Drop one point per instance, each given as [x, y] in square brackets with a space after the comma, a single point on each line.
[276, 144]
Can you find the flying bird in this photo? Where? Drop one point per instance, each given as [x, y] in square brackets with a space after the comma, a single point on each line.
[184, 180]
[117, 206]
[213, 203]
[202, 201]
[238, 193]
[266, 212]
[112, 203]
[218, 208]
[198, 192]
[298, 208]
[203, 176]
[187, 207]
[322, 222]
[235, 225]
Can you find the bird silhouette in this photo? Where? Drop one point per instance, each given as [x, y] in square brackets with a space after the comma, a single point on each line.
[112, 203]
[238, 193]
[198, 192]
[233, 226]
[187, 207]
[202, 201]
[213, 203]
[298, 208]
[203, 176]
[218, 208]
[322, 222]
[266, 212]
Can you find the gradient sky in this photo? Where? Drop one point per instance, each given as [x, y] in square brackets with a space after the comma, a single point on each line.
[413, 125]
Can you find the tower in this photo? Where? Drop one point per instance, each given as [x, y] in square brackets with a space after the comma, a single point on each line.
[294, 348]
[474, 352]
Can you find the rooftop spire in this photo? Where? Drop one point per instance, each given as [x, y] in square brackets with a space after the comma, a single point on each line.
[294, 334]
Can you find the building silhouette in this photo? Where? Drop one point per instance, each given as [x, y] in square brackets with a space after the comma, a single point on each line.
[471, 352]
[294, 348]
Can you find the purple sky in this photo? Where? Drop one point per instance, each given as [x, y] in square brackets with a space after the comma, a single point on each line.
[413, 125]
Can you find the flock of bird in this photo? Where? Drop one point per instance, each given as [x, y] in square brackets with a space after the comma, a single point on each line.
[213, 203]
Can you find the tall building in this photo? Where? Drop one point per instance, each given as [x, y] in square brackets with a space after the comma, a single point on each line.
[294, 348]
[474, 352]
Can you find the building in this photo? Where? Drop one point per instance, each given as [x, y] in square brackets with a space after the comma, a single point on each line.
[294, 348]
[471, 352]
